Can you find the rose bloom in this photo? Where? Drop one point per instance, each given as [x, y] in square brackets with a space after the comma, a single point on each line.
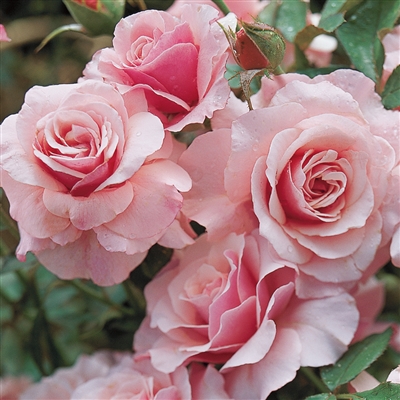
[310, 167]
[90, 187]
[64, 381]
[11, 387]
[245, 10]
[129, 379]
[178, 64]
[3, 34]
[233, 302]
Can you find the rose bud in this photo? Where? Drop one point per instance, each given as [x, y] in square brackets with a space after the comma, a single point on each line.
[258, 46]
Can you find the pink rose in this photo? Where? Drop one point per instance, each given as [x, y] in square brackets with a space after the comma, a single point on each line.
[310, 168]
[178, 64]
[245, 10]
[65, 380]
[3, 34]
[11, 387]
[128, 379]
[232, 302]
[90, 186]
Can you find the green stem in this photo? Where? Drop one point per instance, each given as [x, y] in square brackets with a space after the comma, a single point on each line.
[348, 396]
[222, 6]
[135, 296]
[9, 223]
[279, 70]
[57, 359]
[311, 376]
[95, 295]
[4, 297]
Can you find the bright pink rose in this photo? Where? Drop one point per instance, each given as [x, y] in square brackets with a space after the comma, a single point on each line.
[310, 168]
[11, 387]
[245, 10]
[230, 302]
[178, 64]
[64, 381]
[91, 187]
[128, 379]
[3, 34]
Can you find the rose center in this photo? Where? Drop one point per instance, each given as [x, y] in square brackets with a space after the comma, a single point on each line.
[312, 186]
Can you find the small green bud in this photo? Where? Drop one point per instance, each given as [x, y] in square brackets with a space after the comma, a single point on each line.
[267, 40]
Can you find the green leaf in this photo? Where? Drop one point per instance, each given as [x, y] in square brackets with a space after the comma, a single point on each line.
[359, 35]
[291, 18]
[97, 22]
[391, 92]
[322, 396]
[10, 263]
[385, 391]
[56, 32]
[268, 13]
[332, 7]
[331, 22]
[359, 357]
[306, 35]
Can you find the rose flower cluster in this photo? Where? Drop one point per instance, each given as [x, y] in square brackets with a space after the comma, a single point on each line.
[298, 197]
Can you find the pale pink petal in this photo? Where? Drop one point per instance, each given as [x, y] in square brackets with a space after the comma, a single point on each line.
[41, 223]
[156, 201]
[86, 258]
[205, 160]
[350, 268]
[278, 367]
[145, 135]
[206, 382]
[335, 101]
[88, 212]
[395, 248]
[362, 382]
[233, 109]
[176, 237]
[31, 243]
[316, 321]
[285, 246]
[252, 135]
[394, 376]
[255, 348]
[22, 166]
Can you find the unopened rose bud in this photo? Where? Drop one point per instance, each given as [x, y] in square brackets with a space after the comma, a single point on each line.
[269, 43]
[247, 53]
[98, 17]
[93, 4]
